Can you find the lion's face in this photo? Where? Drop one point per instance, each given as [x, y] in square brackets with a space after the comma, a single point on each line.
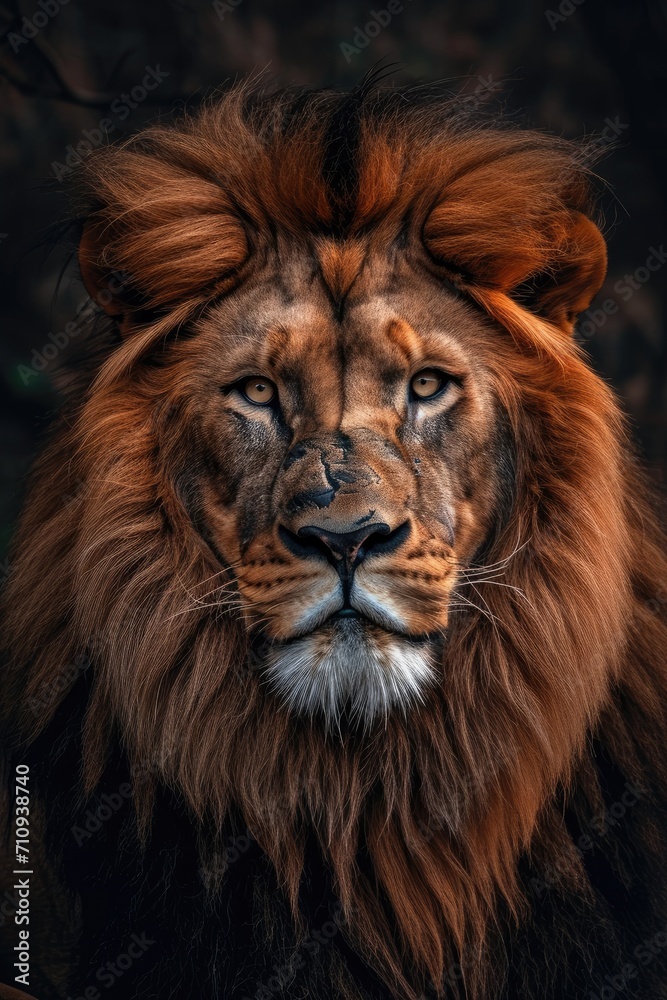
[348, 464]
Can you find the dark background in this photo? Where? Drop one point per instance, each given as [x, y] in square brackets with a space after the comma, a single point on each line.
[590, 68]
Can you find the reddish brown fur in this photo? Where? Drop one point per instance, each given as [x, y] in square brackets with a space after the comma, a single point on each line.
[186, 214]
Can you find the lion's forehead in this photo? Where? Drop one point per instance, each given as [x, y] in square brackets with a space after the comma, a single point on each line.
[355, 349]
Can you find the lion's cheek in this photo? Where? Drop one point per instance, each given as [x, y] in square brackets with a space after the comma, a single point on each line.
[287, 600]
[416, 597]
[472, 527]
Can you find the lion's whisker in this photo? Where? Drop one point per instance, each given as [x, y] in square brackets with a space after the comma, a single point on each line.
[501, 563]
[508, 586]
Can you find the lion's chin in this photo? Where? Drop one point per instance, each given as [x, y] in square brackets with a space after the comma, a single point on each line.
[351, 667]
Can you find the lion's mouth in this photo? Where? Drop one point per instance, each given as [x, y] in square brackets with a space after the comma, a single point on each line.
[350, 618]
[349, 613]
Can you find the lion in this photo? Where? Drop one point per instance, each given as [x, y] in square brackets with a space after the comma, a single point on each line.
[341, 671]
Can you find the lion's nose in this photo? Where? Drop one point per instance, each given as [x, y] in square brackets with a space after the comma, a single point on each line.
[344, 549]
[348, 545]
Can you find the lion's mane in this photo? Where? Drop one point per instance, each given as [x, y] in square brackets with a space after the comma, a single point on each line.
[453, 841]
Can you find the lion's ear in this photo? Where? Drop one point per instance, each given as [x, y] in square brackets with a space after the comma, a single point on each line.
[104, 286]
[575, 275]
[549, 258]
[158, 236]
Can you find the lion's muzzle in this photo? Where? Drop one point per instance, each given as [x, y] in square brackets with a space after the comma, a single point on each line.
[350, 617]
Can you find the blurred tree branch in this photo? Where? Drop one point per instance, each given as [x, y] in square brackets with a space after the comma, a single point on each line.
[63, 90]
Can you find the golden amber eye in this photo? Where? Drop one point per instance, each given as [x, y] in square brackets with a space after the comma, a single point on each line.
[427, 383]
[258, 390]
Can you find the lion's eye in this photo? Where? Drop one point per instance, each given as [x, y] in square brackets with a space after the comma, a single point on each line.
[258, 390]
[428, 383]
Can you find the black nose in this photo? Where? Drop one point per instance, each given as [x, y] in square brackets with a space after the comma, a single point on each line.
[344, 549]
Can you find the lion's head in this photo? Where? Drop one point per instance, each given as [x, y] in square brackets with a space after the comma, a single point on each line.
[353, 538]
[347, 457]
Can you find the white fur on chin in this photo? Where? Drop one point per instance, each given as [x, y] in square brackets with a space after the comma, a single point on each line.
[350, 662]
